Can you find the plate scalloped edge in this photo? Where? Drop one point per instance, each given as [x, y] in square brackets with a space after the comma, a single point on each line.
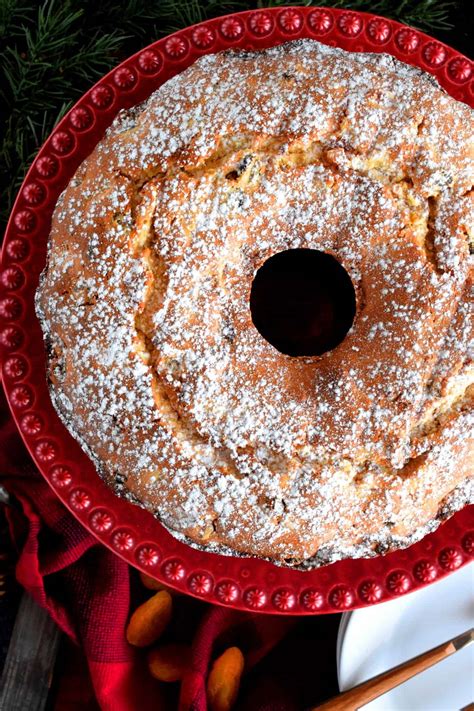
[242, 583]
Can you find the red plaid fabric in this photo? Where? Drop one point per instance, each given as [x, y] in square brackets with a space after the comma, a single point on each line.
[84, 587]
[89, 592]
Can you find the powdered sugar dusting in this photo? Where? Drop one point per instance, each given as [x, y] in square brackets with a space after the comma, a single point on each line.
[155, 364]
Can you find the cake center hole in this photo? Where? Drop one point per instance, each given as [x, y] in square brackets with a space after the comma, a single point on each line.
[303, 302]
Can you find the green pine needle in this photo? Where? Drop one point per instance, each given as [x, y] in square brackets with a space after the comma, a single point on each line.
[54, 50]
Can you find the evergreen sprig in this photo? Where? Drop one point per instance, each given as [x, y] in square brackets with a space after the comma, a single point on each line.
[52, 51]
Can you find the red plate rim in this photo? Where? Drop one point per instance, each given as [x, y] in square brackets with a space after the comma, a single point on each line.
[131, 532]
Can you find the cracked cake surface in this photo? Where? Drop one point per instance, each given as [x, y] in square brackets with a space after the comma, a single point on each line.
[154, 363]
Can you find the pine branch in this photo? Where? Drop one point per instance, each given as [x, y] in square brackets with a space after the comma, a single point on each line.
[46, 66]
[51, 51]
[9, 9]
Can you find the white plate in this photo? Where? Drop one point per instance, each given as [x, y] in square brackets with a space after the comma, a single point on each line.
[374, 639]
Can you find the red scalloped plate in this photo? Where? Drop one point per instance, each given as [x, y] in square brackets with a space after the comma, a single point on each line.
[245, 583]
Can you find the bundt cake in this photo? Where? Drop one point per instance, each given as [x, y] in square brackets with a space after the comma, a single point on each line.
[352, 171]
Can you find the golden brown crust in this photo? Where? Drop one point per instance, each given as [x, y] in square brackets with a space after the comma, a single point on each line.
[155, 364]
